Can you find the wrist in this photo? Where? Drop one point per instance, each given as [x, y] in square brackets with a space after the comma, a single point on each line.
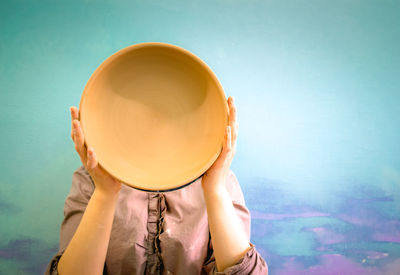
[213, 184]
[105, 196]
[215, 193]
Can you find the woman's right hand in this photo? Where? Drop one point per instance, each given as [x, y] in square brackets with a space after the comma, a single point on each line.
[87, 249]
[104, 182]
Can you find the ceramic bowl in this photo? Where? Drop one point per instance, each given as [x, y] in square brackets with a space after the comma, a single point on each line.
[155, 115]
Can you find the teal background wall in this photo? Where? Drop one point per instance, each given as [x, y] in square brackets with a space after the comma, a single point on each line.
[317, 90]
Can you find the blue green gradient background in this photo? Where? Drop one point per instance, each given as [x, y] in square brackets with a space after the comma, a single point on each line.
[317, 90]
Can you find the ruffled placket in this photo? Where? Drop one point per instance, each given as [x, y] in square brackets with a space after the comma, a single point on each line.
[155, 222]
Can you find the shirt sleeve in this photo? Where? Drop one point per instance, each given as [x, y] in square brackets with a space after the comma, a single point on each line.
[81, 190]
[252, 262]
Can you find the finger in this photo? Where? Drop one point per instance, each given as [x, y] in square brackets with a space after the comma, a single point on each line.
[93, 166]
[79, 141]
[229, 139]
[227, 143]
[234, 135]
[91, 159]
[232, 112]
[233, 118]
[74, 115]
[72, 126]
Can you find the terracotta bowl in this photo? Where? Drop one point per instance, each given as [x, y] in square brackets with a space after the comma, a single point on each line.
[155, 115]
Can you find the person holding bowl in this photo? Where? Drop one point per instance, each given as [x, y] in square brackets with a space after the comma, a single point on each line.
[111, 228]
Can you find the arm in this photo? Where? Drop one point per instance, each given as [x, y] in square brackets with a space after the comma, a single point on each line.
[229, 240]
[75, 204]
[82, 189]
[230, 237]
[86, 252]
[252, 262]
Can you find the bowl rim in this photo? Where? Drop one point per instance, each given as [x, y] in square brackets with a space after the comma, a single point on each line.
[133, 47]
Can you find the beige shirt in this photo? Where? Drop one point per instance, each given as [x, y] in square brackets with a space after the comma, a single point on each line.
[157, 233]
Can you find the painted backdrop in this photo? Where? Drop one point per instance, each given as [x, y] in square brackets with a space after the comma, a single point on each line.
[317, 89]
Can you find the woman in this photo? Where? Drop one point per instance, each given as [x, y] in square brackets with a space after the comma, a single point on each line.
[110, 228]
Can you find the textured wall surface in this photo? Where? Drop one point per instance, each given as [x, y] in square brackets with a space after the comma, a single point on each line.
[317, 89]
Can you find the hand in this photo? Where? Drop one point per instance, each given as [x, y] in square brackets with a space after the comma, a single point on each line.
[214, 178]
[104, 182]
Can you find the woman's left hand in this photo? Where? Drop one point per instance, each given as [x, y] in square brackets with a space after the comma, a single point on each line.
[213, 179]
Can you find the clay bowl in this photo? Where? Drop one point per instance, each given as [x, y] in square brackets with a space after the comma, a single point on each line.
[155, 115]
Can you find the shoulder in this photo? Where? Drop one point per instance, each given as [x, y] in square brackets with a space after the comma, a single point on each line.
[233, 187]
[82, 172]
[82, 182]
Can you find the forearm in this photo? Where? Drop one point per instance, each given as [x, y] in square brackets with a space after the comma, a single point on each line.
[228, 237]
[87, 249]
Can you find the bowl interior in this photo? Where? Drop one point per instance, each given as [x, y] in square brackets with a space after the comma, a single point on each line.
[155, 115]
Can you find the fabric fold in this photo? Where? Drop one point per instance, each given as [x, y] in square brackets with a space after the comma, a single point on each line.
[251, 263]
[155, 222]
